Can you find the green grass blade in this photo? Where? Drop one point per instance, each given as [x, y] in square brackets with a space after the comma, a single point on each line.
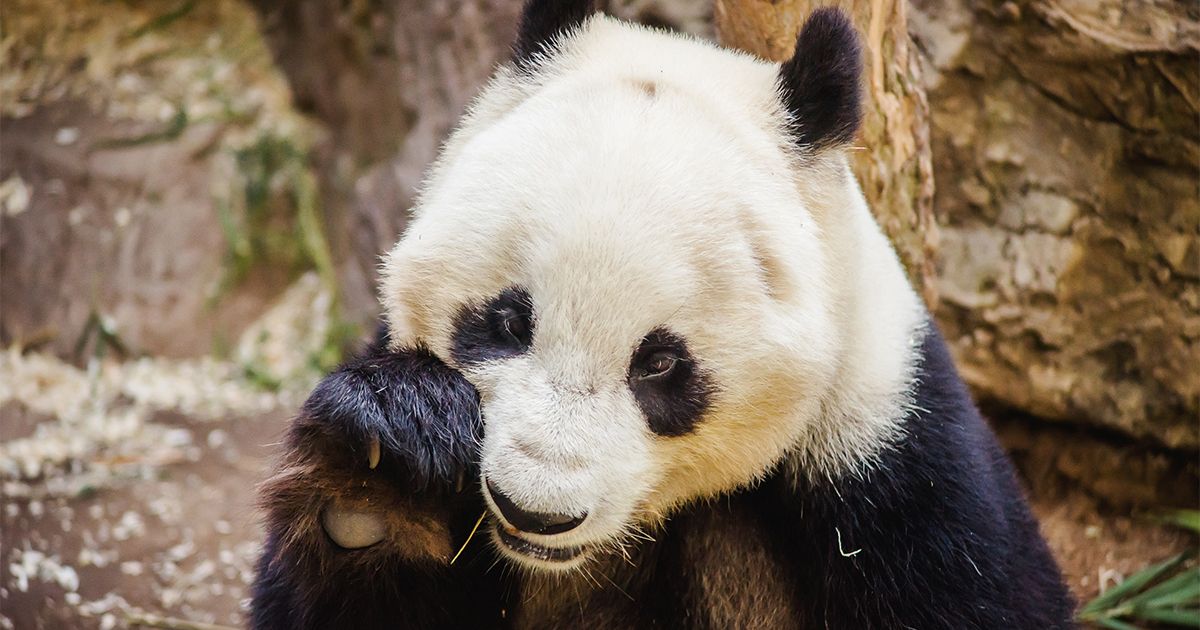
[165, 19]
[1131, 585]
[1177, 591]
[1115, 624]
[1182, 618]
[1187, 519]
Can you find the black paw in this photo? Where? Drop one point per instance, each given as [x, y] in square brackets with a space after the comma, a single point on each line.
[406, 413]
[372, 500]
[384, 450]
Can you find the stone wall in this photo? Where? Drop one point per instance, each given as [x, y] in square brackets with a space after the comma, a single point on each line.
[1066, 144]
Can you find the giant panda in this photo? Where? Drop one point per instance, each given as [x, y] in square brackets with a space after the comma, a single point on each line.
[643, 333]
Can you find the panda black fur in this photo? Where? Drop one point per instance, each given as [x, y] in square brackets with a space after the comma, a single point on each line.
[839, 477]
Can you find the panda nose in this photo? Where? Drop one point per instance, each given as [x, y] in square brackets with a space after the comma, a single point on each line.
[532, 522]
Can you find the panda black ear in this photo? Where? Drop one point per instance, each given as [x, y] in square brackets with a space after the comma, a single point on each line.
[820, 83]
[544, 20]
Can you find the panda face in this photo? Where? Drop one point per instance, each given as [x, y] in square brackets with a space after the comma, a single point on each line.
[574, 418]
[623, 253]
[626, 313]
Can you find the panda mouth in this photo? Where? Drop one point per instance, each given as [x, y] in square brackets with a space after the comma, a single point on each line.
[535, 551]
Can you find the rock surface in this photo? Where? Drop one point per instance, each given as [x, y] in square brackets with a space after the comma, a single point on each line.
[130, 137]
[1066, 143]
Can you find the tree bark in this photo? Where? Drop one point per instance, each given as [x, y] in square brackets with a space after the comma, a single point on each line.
[1066, 138]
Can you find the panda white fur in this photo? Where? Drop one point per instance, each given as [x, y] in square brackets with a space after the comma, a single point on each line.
[707, 394]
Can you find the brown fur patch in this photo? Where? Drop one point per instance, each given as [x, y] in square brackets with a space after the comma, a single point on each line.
[312, 474]
[711, 567]
[742, 584]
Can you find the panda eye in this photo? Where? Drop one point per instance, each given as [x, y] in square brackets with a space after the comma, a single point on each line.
[515, 326]
[500, 328]
[658, 365]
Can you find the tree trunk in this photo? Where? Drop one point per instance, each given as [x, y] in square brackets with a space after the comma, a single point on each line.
[894, 163]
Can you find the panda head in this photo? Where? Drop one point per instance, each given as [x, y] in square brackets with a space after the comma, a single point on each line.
[630, 248]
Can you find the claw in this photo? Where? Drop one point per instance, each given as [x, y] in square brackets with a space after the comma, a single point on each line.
[373, 453]
[458, 486]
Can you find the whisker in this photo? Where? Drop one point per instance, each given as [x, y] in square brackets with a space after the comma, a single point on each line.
[583, 570]
[579, 599]
[614, 584]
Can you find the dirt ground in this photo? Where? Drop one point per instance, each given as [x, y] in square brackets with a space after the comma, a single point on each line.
[1098, 550]
[175, 533]
[128, 486]
[176, 537]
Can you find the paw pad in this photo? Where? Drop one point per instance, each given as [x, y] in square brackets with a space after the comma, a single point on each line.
[353, 529]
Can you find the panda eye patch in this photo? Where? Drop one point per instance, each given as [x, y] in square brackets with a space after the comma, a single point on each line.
[497, 329]
[669, 387]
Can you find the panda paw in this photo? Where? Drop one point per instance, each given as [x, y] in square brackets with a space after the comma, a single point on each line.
[381, 457]
[374, 497]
